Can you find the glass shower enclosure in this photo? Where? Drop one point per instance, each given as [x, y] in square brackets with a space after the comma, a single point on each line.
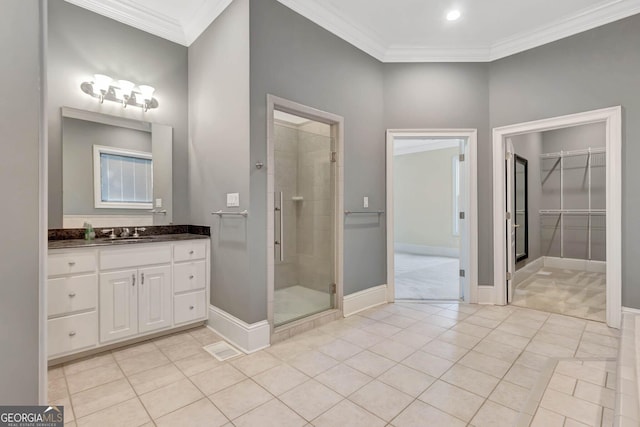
[304, 218]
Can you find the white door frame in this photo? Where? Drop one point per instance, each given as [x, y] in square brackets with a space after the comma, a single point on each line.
[471, 203]
[337, 131]
[612, 117]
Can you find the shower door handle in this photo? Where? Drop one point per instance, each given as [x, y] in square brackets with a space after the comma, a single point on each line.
[281, 227]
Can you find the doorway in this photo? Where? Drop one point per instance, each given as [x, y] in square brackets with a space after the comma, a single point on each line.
[557, 242]
[303, 227]
[431, 221]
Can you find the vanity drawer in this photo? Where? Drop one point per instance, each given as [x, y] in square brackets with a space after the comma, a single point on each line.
[71, 263]
[70, 333]
[69, 294]
[189, 251]
[189, 276]
[139, 255]
[189, 307]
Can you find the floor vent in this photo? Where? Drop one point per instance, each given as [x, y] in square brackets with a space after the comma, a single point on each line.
[222, 351]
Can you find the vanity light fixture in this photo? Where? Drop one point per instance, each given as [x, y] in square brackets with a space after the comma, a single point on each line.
[121, 91]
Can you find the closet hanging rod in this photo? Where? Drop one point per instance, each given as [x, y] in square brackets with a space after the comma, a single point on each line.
[220, 213]
[363, 212]
[598, 150]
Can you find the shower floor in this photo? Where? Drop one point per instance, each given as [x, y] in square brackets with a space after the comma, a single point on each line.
[570, 292]
[296, 302]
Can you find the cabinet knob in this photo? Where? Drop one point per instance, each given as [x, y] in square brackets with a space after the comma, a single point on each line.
[72, 263]
[191, 307]
[191, 277]
[72, 334]
[191, 252]
[72, 294]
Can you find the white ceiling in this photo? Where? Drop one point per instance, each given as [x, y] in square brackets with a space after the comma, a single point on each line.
[396, 30]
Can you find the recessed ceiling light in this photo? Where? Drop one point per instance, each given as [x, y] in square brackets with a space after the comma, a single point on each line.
[453, 15]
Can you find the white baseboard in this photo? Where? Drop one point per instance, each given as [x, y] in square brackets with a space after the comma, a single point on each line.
[486, 294]
[363, 300]
[576, 264]
[427, 250]
[528, 270]
[630, 310]
[247, 337]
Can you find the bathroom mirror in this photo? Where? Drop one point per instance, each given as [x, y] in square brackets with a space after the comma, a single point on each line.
[115, 171]
[521, 208]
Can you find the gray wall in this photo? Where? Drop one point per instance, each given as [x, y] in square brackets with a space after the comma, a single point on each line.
[423, 96]
[83, 43]
[219, 155]
[19, 188]
[293, 58]
[79, 138]
[529, 146]
[595, 69]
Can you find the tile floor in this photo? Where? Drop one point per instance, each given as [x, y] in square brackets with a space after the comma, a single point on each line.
[578, 392]
[422, 277]
[571, 292]
[404, 364]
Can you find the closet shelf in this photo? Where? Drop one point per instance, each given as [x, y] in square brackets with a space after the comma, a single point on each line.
[573, 211]
[561, 154]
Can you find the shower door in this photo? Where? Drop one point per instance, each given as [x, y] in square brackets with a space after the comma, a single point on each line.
[304, 220]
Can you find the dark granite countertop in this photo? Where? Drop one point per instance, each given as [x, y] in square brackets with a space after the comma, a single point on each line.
[156, 238]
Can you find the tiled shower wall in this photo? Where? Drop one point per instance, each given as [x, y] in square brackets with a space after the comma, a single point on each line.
[303, 169]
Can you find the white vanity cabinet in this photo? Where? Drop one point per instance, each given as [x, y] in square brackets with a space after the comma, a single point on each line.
[108, 294]
[139, 300]
[189, 281]
[72, 302]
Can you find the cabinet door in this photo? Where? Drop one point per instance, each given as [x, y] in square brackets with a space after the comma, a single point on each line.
[118, 305]
[155, 298]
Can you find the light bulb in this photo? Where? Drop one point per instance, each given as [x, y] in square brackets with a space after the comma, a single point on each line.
[147, 92]
[453, 15]
[101, 83]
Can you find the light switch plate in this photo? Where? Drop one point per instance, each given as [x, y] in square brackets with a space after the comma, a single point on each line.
[365, 203]
[233, 200]
[158, 203]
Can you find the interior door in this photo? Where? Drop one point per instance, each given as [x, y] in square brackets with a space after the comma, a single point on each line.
[510, 218]
[461, 181]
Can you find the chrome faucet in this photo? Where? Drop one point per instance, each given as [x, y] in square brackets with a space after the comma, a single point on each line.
[135, 231]
[110, 231]
[125, 232]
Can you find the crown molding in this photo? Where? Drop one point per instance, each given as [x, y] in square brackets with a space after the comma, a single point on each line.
[582, 21]
[436, 54]
[202, 17]
[136, 16]
[155, 23]
[330, 19]
[365, 39]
